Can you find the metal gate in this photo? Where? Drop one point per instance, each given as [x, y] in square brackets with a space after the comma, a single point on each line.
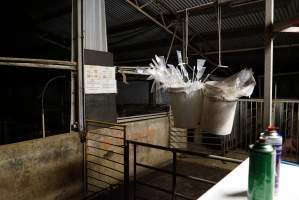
[104, 156]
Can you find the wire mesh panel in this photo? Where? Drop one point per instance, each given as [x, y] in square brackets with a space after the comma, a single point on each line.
[104, 160]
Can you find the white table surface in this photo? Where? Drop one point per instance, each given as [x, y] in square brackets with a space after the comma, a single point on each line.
[234, 185]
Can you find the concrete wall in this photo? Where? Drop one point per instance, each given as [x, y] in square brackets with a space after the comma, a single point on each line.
[150, 130]
[44, 169]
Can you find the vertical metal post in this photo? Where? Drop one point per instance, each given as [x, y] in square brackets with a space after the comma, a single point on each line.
[73, 40]
[80, 66]
[127, 170]
[135, 174]
[77, 55]
[73, 101]
[73, 82]
[268, 80]
[173, 175]
[184, 42]
[186, 37]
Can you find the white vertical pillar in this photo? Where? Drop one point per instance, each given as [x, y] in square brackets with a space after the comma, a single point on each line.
[268, 78]
[95, 32]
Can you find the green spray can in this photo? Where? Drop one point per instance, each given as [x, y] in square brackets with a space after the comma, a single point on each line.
[261, 171]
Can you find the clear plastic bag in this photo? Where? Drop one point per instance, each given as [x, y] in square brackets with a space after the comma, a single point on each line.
[169, 76]
[232, 88]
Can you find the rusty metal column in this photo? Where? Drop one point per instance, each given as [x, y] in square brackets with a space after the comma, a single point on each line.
[268, 78]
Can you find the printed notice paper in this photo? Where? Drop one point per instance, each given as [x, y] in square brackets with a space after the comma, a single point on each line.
[99, 79]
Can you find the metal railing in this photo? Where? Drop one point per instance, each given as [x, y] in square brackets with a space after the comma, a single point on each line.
[193, 140]
[104, 151]
[173, 172]
[248, 124]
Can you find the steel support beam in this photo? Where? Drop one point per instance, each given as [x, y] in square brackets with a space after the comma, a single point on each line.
[169, 31]
[199, 8]
[268, 81]
[251, 49]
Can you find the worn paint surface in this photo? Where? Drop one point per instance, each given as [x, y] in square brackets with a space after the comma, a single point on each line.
[45, 169]
[153, 131]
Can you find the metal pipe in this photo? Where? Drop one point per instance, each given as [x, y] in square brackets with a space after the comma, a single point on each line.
[174, 171]
[80, 54]
[127, 171]
[135, 172]
[214, 3]
[205, 155]
[38, 65]
[43, 95]
[250, 49]
[73, 100]
[219, 32]
[268, 81]
[171, 44]
[198, 7]
[79, 51]
[186, 38]
[39, 61]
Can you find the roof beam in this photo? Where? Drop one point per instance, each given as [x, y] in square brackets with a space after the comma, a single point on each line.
[137, 24]
[165, 28]
[241, 32]
[203, 7]
[143, 45]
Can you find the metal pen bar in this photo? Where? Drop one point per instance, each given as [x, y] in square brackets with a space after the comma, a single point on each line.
[286, 122]
[177, 174]
[105, 175]
[97, 164]
[211, 144]
[127, 171]
[105, 123]
[90, 154]
[163, 190]
[187, 152]
[105, 150]
[100, 127]
[115, 145]
[98, 180]
[135, 174]
[96, 186]
[105, 135]
[173, 175]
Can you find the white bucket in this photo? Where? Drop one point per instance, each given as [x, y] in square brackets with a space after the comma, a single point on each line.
[217, 116]
[186, 108]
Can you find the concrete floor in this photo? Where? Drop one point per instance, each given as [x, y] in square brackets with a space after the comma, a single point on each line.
[192, 166]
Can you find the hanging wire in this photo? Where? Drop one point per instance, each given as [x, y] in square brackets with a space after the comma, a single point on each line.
[219, 41]
[219, 32]
[186, 35]
[171, 44]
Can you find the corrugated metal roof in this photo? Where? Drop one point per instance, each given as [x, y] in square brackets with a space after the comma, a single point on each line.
[119, 12]
[243, 25]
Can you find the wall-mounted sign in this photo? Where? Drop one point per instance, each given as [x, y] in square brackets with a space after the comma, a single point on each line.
[99, 79]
